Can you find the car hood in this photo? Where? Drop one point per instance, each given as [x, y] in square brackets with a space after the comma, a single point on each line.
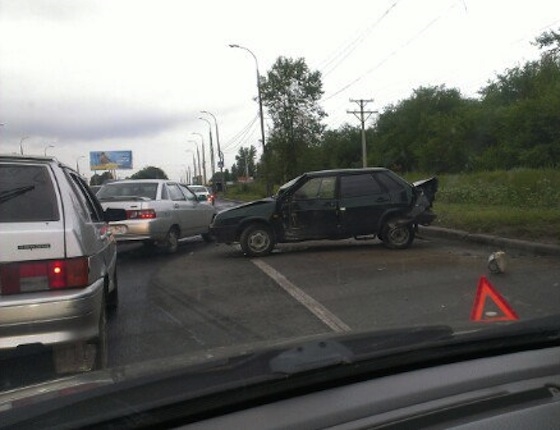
[262, 206]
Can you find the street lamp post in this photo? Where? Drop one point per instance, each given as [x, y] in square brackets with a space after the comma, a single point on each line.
[21, 144]
[212, 159]
[197, 156]
[194, 164]
[203, 158]
[47, 147]
[220, 153]
[78, 164]
[268, 185]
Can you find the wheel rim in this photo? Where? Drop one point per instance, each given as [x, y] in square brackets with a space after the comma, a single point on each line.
[258, 241]
[399, 235]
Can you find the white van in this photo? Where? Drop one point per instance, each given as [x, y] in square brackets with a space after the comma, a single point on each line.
[58, 263]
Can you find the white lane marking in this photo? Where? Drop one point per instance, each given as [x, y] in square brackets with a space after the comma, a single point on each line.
[316, 308]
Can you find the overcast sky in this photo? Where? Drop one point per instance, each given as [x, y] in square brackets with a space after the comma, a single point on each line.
[86, 75]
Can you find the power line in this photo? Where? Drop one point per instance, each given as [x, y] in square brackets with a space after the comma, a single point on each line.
[388, 57]
[351, 47]
[240, 135]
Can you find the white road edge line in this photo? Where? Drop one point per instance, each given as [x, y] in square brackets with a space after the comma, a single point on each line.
[316, 308]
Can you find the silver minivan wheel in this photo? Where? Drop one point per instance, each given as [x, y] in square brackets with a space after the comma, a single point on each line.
[84, 356]
[113, 296]
[101, 344]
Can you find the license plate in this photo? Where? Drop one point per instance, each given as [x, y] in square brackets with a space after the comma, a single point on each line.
[117, 229]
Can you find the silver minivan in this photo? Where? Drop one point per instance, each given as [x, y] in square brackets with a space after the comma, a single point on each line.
[58, 263]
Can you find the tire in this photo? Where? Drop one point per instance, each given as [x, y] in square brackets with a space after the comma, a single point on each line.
[84, 356]
[101, 344]
[257, 240]
[207, 237]
[397, 236]
[113, 296]
[171, 243]
[149, 244]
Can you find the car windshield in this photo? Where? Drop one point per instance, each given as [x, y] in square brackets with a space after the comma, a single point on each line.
[357, 168]
[287, 185]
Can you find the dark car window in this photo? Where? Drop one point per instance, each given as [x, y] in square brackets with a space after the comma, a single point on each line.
[27, 194]
[175, 192]
[86, 197]
[317, 188]
[388, 182]
[359, 185]
[188, 193]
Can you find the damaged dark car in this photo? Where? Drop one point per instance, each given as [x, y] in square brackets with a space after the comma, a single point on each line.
[331, 204]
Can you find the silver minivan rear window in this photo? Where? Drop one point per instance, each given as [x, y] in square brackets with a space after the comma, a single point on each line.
[27, 194]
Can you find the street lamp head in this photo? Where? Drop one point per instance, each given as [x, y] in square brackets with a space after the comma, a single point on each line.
[233, 45]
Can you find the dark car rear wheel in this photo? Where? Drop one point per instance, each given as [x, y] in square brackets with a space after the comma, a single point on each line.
[397, 236]
[257, 240]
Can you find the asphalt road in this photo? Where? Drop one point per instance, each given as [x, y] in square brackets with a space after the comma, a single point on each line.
[210, 296]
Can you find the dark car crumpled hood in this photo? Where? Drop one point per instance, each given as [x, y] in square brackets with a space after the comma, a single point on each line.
[263, 207]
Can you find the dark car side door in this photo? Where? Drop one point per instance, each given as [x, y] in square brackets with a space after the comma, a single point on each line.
[363, 201]
[311, 210]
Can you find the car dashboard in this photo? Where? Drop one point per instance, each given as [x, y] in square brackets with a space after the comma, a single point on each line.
[512, 391]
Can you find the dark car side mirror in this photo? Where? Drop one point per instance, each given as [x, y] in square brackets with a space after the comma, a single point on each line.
[111, 214]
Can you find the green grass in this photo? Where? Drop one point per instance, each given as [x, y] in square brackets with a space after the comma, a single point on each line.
[246, 192]
[518, 203]
[537, 224]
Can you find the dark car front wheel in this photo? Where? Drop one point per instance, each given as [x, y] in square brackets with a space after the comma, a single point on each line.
[397, 236]
[257, 240]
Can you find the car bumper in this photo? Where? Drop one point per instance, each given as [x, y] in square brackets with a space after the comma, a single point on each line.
[139, 230]
[51, 318]
[426, 218]
[224, 234]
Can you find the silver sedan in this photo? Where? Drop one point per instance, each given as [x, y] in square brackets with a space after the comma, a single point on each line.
[159, 212]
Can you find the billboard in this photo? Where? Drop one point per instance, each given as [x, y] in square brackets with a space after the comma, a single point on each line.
[110, 160]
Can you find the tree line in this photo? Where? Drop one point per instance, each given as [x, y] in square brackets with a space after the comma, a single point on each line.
[514, 122]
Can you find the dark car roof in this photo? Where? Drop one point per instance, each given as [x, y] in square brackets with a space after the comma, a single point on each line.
[345, 171]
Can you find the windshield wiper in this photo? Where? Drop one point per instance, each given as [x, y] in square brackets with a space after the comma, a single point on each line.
[14, 192]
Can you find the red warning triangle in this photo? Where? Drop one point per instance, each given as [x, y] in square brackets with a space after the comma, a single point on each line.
[486, 291]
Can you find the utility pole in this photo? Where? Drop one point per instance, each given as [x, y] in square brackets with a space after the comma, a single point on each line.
[362, 116]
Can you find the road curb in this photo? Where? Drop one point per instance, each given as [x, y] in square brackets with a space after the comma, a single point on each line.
[536, 248]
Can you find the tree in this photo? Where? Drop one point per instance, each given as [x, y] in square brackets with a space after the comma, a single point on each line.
[341, 148]
[98, 179]
[523, 104]
[150, 172]
[245, 162]
[427, 132]
[291, 93]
